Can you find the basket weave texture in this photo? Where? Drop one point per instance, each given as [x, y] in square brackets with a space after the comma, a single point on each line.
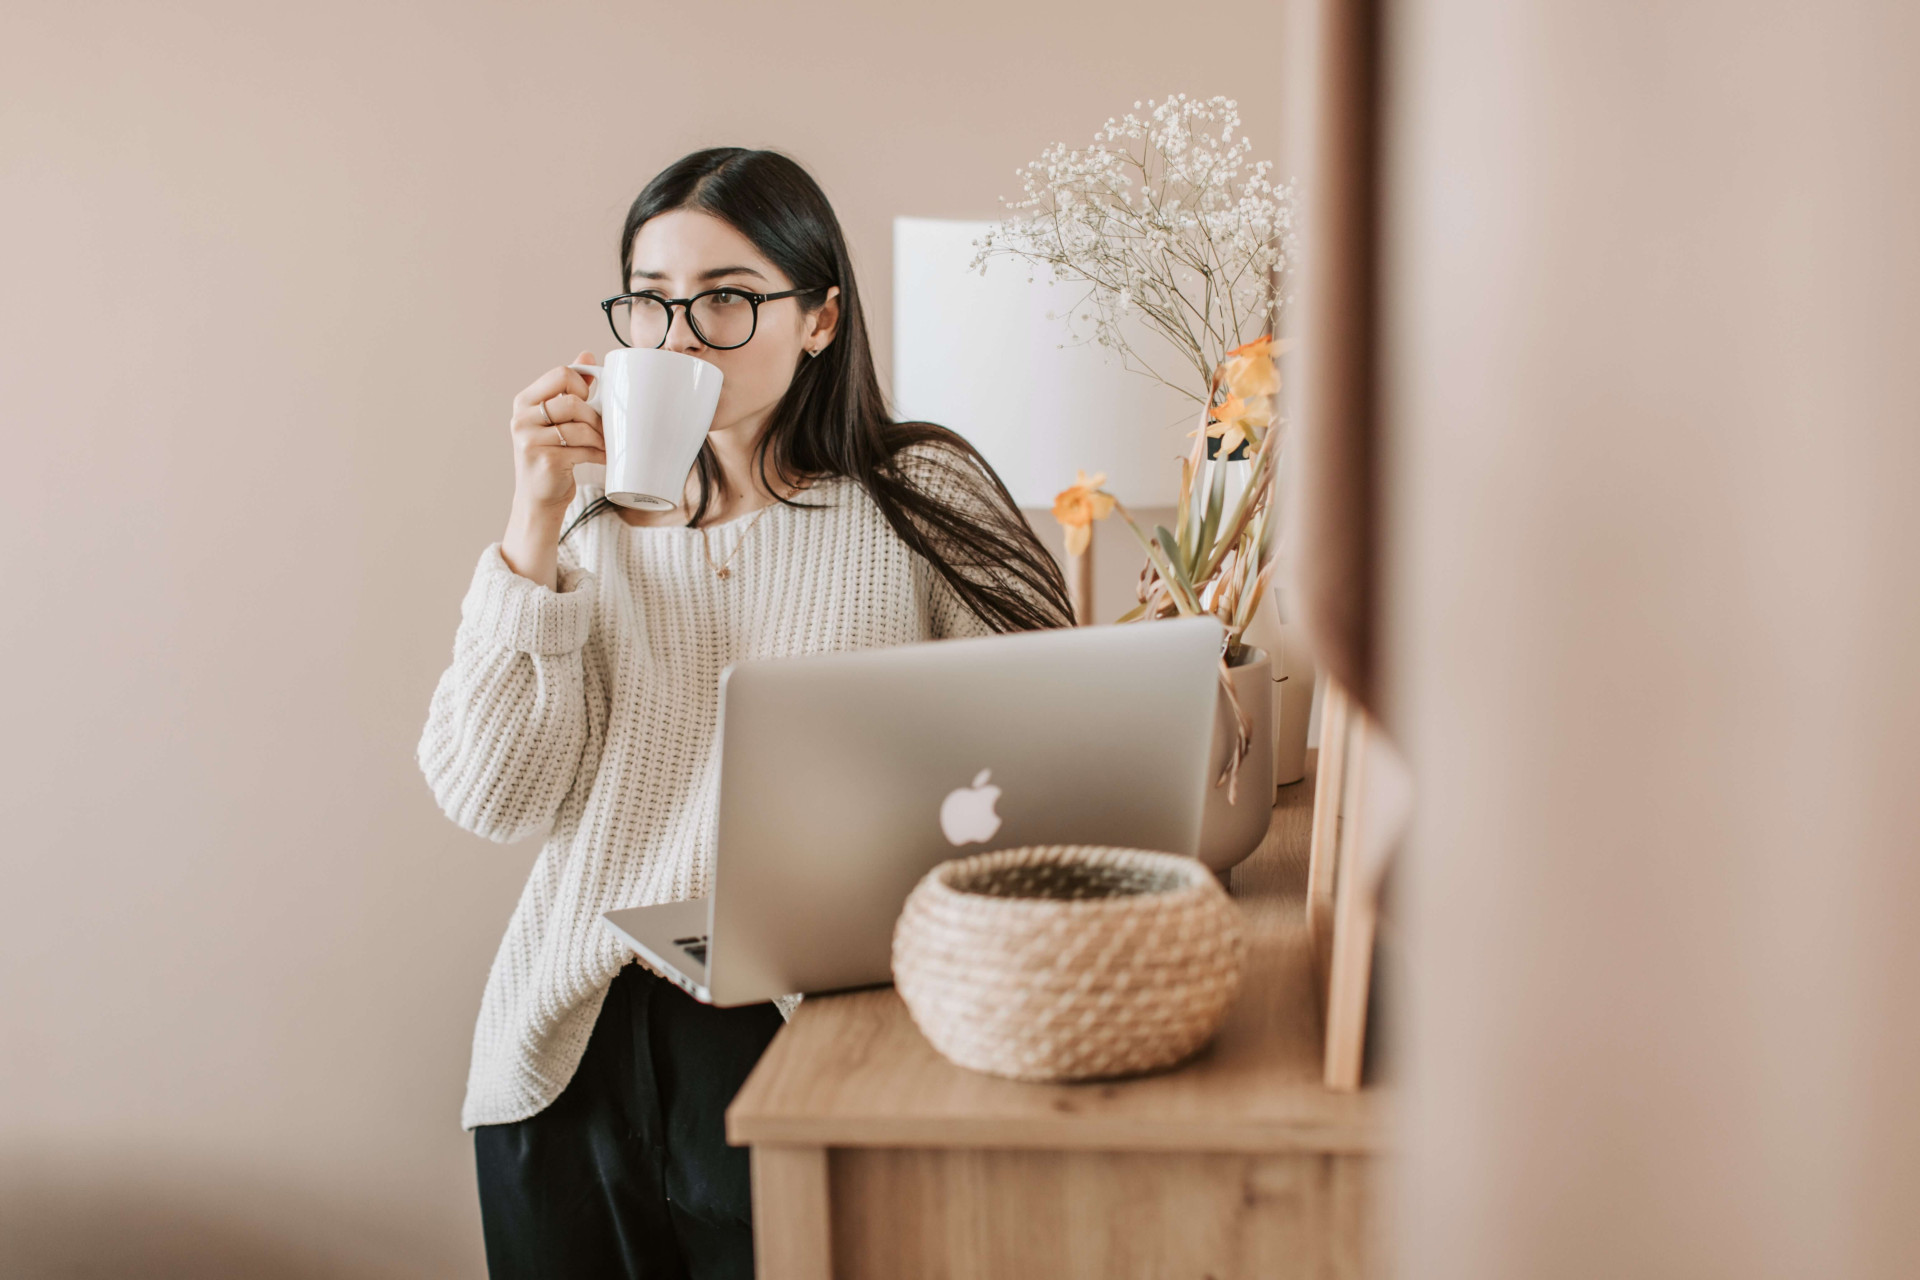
[1068, 962]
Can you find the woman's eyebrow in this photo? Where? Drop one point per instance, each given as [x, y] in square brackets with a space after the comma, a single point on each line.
[714, 274]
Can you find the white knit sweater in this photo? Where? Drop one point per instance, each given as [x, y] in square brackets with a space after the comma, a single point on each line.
[596, 707]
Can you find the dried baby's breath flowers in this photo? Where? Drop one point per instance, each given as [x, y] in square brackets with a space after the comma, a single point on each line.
[1165, 220]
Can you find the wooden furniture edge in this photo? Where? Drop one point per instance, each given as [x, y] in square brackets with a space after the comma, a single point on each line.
[1349, 961]
[792, 1213]
[1329, 789]
[1364, 1137]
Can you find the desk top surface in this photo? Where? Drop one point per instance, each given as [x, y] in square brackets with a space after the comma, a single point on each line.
[853, 1070]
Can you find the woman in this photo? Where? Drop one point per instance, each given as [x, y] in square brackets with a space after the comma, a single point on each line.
[583, 693]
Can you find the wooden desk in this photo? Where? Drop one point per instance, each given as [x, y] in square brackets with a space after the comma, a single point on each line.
[875, 1157]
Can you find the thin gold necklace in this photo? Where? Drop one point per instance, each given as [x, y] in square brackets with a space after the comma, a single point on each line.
[720, 570]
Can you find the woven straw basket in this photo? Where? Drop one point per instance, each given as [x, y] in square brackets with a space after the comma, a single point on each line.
[1068, 962]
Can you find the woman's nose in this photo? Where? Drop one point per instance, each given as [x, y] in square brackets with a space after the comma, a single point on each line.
[680, 334]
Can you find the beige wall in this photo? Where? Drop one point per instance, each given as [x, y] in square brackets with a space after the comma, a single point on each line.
[271, 276]
[1654, 612]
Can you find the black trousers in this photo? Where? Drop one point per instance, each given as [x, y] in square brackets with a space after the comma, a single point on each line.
[627, 1173]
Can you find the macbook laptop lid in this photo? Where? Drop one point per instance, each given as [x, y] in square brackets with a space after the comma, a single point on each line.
[846, 777]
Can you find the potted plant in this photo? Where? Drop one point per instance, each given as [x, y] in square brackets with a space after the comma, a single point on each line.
[1170, 228]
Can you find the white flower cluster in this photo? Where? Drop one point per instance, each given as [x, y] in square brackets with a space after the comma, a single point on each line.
[1165, 220]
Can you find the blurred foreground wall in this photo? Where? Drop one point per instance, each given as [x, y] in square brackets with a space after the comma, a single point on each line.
[1653, 300]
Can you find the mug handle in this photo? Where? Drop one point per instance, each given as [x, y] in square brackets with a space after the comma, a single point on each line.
[598, 374]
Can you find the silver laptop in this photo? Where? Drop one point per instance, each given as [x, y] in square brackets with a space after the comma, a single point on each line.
[845, 777]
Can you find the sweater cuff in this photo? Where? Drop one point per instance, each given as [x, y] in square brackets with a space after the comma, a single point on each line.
[523, 615]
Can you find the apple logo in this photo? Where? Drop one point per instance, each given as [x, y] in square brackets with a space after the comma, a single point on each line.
[967, 815]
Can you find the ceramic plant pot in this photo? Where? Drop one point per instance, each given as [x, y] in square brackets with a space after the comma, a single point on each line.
[1293, 678]
[1232, 829]
[1293, 682]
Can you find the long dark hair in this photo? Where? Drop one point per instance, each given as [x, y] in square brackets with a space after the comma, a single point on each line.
[834, 420]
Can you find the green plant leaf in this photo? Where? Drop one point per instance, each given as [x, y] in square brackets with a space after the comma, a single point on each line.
[1146, 543]
[1172, 547]
[1216, 498]
[1183, 522]
[1257, 483]
[1183, 598]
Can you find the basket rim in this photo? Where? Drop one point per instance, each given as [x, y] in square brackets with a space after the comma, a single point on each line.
[1196, 880]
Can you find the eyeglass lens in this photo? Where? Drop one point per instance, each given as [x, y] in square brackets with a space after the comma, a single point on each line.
[719, 320]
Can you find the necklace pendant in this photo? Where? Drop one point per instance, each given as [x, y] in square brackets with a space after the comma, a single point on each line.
[723, 572]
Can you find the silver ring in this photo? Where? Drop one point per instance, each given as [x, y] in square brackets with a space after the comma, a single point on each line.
[547, 411]
[563, 439]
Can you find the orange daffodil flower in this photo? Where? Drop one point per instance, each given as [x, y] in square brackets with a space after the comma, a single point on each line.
[1233, 417]
[1078, 506]
[1250, 377]
[1250, 370]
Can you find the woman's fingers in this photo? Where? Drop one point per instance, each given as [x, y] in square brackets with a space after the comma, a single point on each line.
[557, 381]
[545, 387]
[577, 382]
[562, 432]
[553, 429]
[567, 407]
[560, 459]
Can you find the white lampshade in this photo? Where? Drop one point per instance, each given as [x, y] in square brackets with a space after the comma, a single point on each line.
[980, 354]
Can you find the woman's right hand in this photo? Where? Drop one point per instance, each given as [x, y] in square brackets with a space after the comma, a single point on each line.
[552, 429]
[544, 454]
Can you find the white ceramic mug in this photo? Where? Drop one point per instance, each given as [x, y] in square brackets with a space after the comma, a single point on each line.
[655, 407]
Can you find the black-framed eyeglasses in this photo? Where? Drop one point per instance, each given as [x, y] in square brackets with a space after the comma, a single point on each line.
[722, 318]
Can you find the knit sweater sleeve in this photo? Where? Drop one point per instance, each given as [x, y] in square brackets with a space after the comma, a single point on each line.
[508, 721]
